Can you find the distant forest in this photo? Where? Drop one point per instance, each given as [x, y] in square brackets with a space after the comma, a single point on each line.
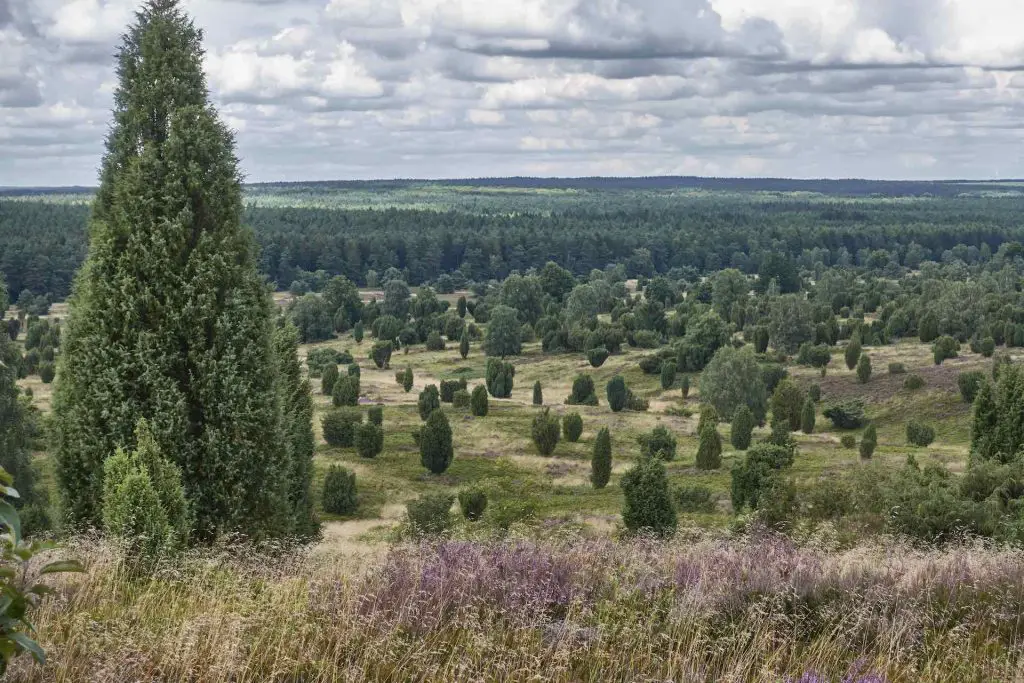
[580, 224]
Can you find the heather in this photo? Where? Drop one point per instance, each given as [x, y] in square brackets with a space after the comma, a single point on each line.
[557, 608]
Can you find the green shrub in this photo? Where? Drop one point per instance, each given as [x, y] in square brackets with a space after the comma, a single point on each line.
[429, 401]
[668, 375]
[868, 442]
[660, 443]
[847, 414]
[969, 384]
[694, 499]
[913, 382]
[380, 353]
[787, 403]
[988, 347]
[583, 393]
[864, 369]
[47, 371]
[651, 365]
[407, 379]
[709, 448]
[434, 341]
[472, 502]
[430, 515]
[339, 427]
[339, 493]
[597, 356]
[317, 360]
[357, 332]
[742, 428]
[685, 383]
[538, 394]
[375, 414]
[16, 556]
[708, 415]
[945, 347]
[461, 399]
[500, 378]
[346, 391]
[919, 434]
[808, 416]
[897, 369]
[449, 387]
[329, 376]
[601, 460]
[369, 440]
[852, 351]
[618, 394]
[754, 477]
[572, 427]
[647, 339]
[478, 402]
[143, 500]
[545, 432]
[648, 503]
[504, 513]
[435, 442]
[635, 403]
[814, 391]
[848, 441]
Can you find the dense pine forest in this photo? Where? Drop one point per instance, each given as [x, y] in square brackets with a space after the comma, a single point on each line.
[488, 233]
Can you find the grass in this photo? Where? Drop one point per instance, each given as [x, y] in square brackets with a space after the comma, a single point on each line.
[553, 608]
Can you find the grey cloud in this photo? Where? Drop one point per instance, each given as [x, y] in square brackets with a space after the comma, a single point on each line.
[607, 86]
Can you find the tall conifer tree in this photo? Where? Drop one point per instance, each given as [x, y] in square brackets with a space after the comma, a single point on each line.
[170, 320]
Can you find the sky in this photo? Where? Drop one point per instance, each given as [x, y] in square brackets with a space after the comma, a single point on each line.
[352, 89]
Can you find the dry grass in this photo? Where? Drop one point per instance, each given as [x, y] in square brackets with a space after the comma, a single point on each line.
[693, 610]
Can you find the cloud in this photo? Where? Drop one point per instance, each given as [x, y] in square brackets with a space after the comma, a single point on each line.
[384, 88]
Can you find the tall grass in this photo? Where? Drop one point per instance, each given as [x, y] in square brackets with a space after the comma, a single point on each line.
[563, 610]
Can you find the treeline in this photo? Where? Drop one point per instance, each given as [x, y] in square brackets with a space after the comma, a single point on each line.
[42, 243]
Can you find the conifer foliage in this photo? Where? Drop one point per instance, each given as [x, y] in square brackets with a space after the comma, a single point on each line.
[170, 320]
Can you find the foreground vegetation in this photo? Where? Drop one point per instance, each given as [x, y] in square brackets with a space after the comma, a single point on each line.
[561, 608]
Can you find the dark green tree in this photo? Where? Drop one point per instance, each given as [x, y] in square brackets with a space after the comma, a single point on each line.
[538, 394]
[734, 378]
[170, 320]
[407, 379]
[464, 344]
[660, 443]
[648, 506]
[357, 332]
[472, 502]
[601, 460]
[436, 450]
[460, 307]
[381, 352]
